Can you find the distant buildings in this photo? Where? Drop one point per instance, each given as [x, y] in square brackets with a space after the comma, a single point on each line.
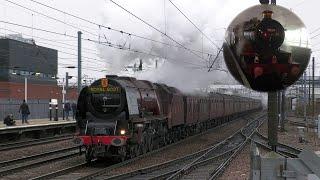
[28, 70]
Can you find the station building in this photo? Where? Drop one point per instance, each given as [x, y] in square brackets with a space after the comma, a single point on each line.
[25, 65]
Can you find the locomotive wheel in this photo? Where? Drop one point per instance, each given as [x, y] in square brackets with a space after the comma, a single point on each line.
[150, 144]
[137, 150]
[89, 155]
[144, 148]
[122, 153]
[156, 144]
[132, 152]
[164, 140]
[175, 137]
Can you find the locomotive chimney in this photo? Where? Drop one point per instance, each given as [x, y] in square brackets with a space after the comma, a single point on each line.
[267, 14]
[111, 76]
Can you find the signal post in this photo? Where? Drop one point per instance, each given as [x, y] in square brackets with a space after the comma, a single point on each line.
[273, 120]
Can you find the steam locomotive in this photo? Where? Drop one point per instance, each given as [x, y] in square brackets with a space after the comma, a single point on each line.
[122, 117]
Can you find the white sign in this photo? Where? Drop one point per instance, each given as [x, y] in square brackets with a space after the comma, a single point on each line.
[53, 101]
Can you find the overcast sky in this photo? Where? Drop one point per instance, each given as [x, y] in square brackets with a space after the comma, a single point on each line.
[211, 16]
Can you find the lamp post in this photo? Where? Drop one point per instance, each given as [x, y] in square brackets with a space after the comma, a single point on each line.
[63, 98]
[25, 84]
[26, 88]
[64, 90]
[25, 79]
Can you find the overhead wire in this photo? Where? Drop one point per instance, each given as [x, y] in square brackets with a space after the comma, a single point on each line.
[63, 34]
[215, 59]
[87, 67]
[50, 17]
[203, 34]
[52, 32]
[38, 29]
[210, 40]
[6, 54]
[158, 30]
[51, 40]
[87, 39]
[116, 30]
[142, 52]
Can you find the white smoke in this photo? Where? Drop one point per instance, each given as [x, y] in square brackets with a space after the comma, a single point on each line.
[177, 67]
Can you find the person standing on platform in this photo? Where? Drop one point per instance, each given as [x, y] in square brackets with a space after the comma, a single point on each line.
[67, 109]
[24, 110]
[74, 110]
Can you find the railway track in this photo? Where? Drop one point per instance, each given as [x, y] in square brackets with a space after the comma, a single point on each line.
[15, 165]
[196, 165]
[303, 124]
[83, 171]
[22, 144]
[213, 163]
[283, 149]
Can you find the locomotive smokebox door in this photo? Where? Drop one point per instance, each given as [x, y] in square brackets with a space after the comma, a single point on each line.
[267, 47]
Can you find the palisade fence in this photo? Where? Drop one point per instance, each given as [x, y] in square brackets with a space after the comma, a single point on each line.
[39, 108]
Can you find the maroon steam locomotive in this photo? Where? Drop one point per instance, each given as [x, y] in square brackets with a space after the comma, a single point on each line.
[123, 117]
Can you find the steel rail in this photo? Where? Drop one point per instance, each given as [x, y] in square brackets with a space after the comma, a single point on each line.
[60, 172]
[14, 169]
[171, 165]
[112, 167]
[282, 149]
[22, 144]
[32, 157]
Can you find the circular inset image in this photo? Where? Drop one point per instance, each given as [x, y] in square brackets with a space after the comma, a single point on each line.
[267, 48]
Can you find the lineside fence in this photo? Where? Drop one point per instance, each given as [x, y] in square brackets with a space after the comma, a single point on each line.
[39, 108]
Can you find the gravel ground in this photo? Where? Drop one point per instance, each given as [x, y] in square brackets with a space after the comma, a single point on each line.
[291, 137]
[183, 149]
[45, 169]
[31, 150]
[191, 145]
[240, 166]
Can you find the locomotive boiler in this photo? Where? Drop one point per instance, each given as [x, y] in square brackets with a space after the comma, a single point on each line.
[122, 117]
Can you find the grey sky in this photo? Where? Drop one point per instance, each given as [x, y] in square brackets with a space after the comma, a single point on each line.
[210, 15]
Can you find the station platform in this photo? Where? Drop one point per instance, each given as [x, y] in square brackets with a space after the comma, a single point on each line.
[37, 125]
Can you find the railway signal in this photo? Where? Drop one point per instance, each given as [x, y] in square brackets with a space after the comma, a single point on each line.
[260, 53]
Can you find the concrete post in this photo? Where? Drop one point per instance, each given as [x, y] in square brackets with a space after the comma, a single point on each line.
[79, 62]
[255, 164]
[304, 97]
[279, 108]
[50, 111]
[56, 113]
[26, 88]
[313, 99]
[272, 120]
[319, 127]
[67, 86]
[283, 109]
[63, 99]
